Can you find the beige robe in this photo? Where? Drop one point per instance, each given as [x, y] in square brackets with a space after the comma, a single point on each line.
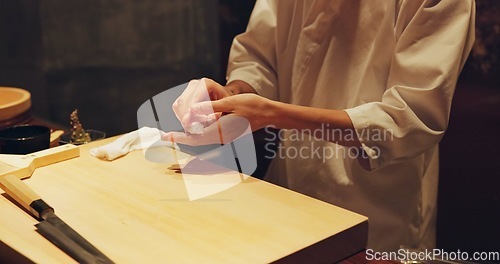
[393, 66]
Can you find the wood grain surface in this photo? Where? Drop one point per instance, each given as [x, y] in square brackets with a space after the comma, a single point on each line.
[137, 211]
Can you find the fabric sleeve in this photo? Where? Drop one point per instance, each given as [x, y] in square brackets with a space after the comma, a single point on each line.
[433, 42]
[252, 58]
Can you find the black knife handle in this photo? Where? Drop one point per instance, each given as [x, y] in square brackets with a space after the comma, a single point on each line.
[42, 208]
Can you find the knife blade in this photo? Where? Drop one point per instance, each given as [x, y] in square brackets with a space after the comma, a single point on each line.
[51, 226]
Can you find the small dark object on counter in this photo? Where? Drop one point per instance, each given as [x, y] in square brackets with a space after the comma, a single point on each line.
[24, 139]
[78, 134]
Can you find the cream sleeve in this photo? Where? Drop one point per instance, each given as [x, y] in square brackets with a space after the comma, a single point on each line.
[253, 56]
[433, 43]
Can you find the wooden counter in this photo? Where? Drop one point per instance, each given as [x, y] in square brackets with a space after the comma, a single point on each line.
[136, 211]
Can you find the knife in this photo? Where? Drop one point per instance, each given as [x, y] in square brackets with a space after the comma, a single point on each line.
[13, 168]
[51, 226]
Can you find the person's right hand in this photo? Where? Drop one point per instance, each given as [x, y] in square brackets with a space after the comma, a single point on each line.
[243, 114]
[197, 91]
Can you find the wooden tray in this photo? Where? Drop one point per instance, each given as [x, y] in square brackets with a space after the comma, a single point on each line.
[136, 211]
[15, 106]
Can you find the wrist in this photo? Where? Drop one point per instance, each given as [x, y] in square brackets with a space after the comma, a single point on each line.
[274, 115]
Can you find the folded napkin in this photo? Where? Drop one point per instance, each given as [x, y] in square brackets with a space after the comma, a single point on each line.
[143, 138]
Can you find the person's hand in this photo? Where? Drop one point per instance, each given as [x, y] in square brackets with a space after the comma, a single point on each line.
[224, 130]
[244, 113]
[255, 108]
[198, 91]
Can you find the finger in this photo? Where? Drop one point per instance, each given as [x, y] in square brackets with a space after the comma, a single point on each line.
[206, 112]
[180, 137]
[223, 105]
[188, 119]
[210, 119]
[201, 108]
[210, 107]
[206, 120]
[168, 136]
[212, 88]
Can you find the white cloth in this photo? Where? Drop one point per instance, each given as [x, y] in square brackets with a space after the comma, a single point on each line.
[143, 138]
[393, 66]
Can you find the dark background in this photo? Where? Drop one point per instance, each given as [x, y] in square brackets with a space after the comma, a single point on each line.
[106, 57]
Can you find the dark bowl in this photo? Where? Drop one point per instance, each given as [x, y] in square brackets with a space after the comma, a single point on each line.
[24, 139]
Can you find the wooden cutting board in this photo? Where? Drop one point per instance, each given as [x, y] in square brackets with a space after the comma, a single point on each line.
[136, 211]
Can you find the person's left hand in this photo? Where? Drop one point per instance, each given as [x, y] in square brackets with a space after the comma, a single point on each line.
[243, 114]
[198, 91]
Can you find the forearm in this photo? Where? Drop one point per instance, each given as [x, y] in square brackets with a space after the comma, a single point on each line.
[288, 116]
